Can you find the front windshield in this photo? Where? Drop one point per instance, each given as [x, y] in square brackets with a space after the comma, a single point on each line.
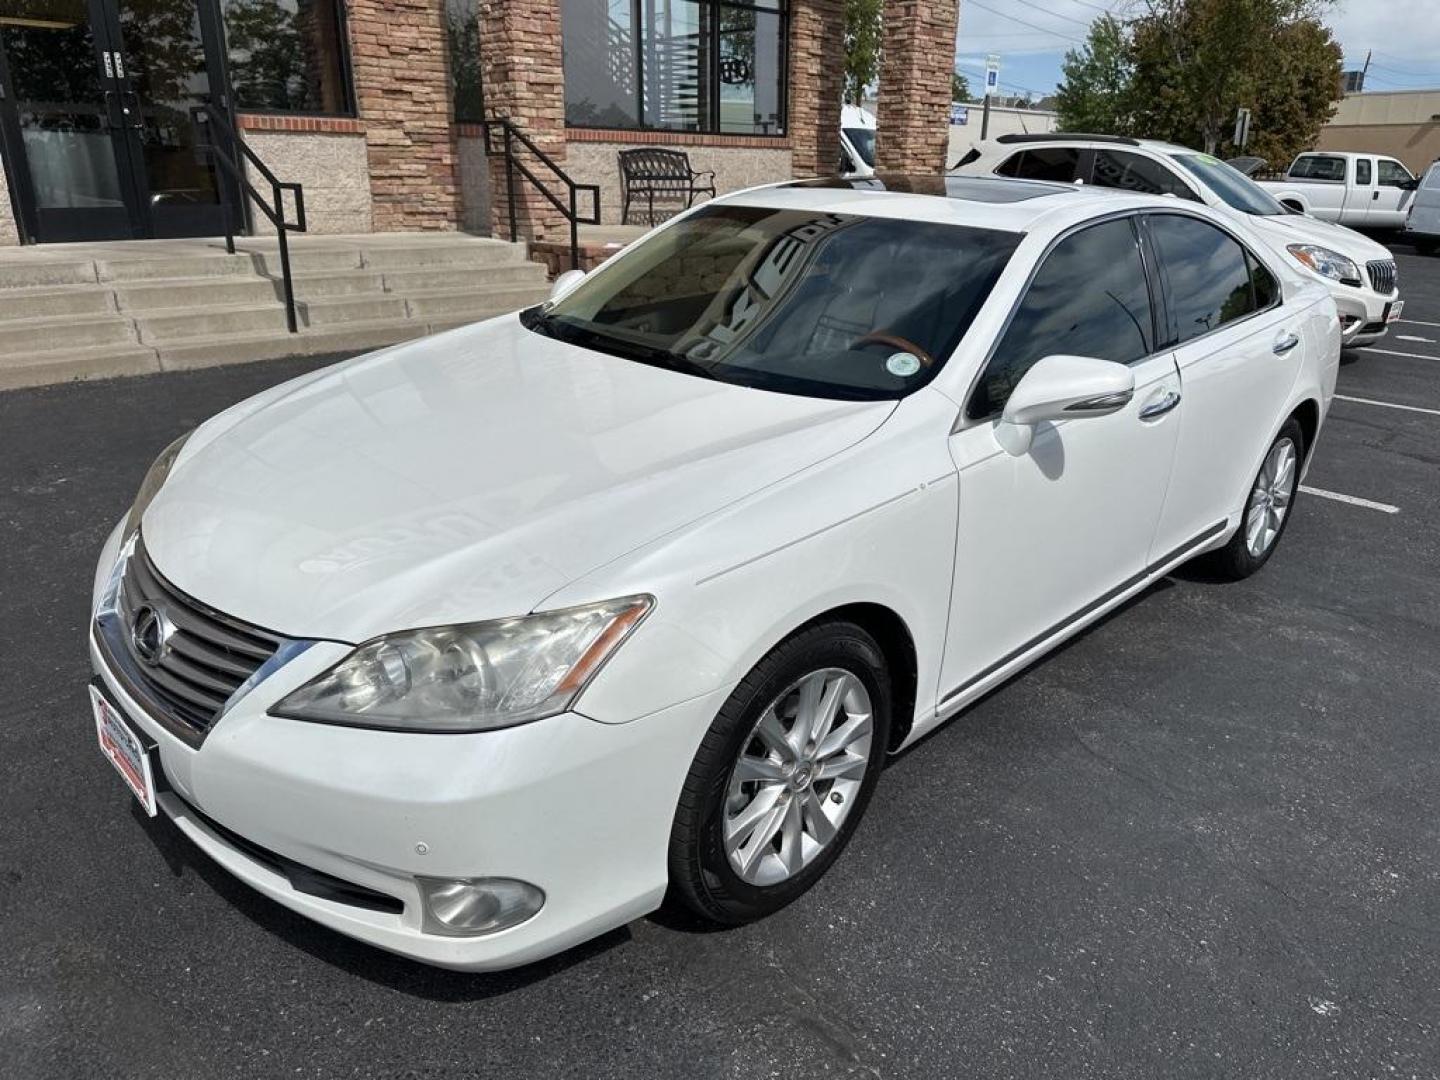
[863, 139]
[798, 301]
[1233, 187]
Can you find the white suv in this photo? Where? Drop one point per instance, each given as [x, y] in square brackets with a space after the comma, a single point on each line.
[1359, 271]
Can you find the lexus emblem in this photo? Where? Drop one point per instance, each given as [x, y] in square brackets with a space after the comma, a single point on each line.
[150, 634]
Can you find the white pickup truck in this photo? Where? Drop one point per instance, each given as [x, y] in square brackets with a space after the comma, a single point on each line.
[1351, 189]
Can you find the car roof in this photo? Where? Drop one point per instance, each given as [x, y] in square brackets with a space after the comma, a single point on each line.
[1080, 138]
[980, 201]
[854, 116]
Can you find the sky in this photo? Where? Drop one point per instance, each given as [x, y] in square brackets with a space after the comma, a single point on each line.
[1031, 37]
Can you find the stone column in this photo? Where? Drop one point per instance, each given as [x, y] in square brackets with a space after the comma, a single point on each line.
[401, 64]
[917, 59]
[817, 84]
[523, 78]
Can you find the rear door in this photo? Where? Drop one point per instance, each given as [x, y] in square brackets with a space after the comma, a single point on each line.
[1238, 349]
[1128, 171]
[1361, 193]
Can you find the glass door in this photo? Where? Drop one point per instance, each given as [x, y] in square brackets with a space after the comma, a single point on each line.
[59, 120]
[96, 117]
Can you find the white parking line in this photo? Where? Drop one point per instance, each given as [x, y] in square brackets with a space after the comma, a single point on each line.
[1412, 337]
[1392, 352]
[1353, 500]
[1417, 322]
[1387, 404]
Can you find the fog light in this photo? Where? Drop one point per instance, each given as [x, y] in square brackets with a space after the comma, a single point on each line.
[468, 907]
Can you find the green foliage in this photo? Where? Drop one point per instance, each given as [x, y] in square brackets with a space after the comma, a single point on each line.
[1180, 69]
[1095, 95]
[959, 87]
[863, 30]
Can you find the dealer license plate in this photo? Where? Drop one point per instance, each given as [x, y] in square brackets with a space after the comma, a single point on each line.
[120, 743]
[1393, 310]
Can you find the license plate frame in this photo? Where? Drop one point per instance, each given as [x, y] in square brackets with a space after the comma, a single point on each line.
[132, 755]
[1393, 310]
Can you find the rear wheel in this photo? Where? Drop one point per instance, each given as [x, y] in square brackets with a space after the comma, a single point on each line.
[1267, 509]
[783, 775]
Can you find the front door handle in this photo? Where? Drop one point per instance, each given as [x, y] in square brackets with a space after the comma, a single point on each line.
[1284, 343]
[1161, 407]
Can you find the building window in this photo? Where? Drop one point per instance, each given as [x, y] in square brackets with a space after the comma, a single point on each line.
[462, 28]
[288, 56]
[675, 65]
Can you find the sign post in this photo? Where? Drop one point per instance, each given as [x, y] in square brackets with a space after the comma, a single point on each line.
[992, 87]
[1242, 128]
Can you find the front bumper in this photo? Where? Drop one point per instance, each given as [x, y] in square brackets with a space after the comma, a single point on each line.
[580, 809]
[1362, 313]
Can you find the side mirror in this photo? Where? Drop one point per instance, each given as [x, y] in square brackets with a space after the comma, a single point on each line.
[1062, 388]
[565, 282]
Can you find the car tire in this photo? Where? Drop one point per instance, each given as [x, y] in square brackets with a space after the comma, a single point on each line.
[760, 763]
[1246, 551]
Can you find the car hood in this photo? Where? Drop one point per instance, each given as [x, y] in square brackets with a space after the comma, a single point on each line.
[1283, 229]
[463, 477]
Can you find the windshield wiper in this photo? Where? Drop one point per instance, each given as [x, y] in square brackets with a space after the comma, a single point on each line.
[589, 338]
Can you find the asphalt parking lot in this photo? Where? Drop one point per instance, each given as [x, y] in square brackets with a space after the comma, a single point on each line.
[1203, 839]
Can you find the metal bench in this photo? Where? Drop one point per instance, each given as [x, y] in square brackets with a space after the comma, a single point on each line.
[666, 173]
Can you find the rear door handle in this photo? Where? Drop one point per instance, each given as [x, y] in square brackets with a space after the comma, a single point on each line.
[1161, 407]
[1284, 343]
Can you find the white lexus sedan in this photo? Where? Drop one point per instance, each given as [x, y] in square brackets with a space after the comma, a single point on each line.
[480, 646]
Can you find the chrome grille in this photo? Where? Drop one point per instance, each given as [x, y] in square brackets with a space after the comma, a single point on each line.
[209, 654]
[1382, 275]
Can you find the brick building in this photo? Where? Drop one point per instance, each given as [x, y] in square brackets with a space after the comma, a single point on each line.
[375, 106]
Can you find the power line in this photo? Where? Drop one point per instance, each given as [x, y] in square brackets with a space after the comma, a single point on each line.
[1055, 14]
[1022, 22]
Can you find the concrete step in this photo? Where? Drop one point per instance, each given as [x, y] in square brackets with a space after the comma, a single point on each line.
[229, 290]
[21, 337]
[177, 324]
[220, 264]
[461, 253]
[49, 303]
[32, 368]
[475, 303]
[26, 274]
[509, 273]
[243, 348]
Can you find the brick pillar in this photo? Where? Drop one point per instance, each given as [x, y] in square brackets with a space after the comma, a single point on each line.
[817, 84]
[523, 76]
[917, 59]
[399, 54]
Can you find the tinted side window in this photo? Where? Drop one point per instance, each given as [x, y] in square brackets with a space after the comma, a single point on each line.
[1089, 298]
[1131, 172]
[1393, 174]
[1362, 173]
[1318, 167]
[1267, 289]
[1043, 163]
[1209, 280]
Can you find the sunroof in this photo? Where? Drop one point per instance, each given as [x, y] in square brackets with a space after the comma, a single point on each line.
[973, 188]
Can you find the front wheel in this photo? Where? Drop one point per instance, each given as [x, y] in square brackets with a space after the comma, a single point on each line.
[783, 775]
[1267, 509]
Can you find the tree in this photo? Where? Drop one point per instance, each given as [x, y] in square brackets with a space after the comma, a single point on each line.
[1197, 61]
[1291, 105]
[959, 87]
[863, 30]
[1095, 95]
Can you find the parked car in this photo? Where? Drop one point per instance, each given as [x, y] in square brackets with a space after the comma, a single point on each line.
[857, 141]
[1359, 272]
[474, 647]
[1422, 226]
[1351, 189]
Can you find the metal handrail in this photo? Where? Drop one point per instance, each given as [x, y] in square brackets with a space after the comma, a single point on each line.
[569, 209]
[205, 117]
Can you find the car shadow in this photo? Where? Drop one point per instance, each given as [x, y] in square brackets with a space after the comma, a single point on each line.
[355, 957]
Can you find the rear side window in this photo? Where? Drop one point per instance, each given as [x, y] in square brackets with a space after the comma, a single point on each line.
[1043, 163]
[1318, 167]
[1362, 172]
[1393, 174]
[1089, 298]
[1132, 172]
[1207, 271]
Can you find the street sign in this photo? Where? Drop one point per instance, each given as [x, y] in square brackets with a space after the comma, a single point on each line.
[1242, 128]
[959, 115]
[992, 74]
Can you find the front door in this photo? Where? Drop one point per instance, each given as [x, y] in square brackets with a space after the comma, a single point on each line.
[95, 117]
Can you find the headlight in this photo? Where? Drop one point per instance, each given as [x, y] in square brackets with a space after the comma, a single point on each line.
[1326, 263]
[153, 481]
[474, 677]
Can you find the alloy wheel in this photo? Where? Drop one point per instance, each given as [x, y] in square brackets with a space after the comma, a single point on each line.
[1270, 498]
[797, 776]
